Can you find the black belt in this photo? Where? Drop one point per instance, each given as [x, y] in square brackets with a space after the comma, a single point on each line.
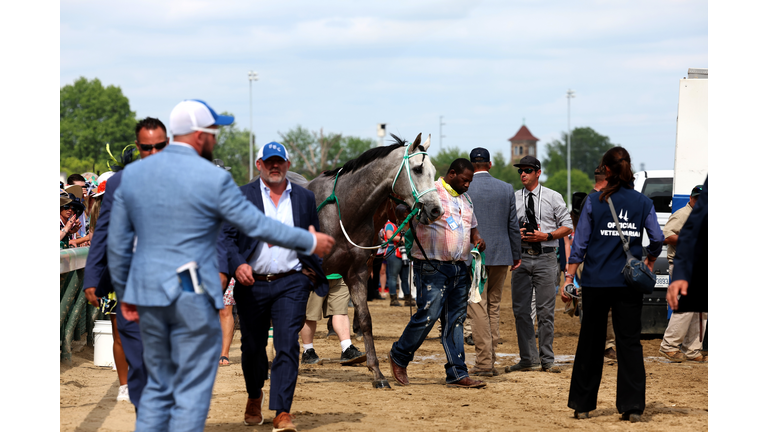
[543, 250]
[273, 277]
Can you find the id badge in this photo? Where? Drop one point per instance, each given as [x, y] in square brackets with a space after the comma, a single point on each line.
[452, 224]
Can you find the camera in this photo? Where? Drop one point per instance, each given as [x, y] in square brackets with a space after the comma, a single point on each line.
[572, 291]
[403, 253]
[527, 227]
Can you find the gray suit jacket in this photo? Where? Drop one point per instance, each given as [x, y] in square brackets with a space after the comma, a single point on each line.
[496, 214]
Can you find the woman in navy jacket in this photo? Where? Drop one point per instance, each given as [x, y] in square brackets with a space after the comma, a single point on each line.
[597, 244]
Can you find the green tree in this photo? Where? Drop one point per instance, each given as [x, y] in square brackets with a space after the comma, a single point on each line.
[587, 149]
[91, 116]
[232, 149]
[445, 157]
[315, 152]
[580, 182]
[505, 172]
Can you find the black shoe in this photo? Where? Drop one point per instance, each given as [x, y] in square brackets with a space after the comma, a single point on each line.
[469, 340]
[631, 416]
[309, 357]
[581, 415]
[352, 356]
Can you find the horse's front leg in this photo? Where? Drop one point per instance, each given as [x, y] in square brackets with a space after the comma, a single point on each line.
[357, 281]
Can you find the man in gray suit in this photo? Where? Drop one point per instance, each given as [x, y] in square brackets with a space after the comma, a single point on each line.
[497, 223]
[162, 258]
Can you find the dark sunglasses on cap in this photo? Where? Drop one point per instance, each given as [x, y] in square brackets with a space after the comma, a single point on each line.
[526, 170]
[149, 147]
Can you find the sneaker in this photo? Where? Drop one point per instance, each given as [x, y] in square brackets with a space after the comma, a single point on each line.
[519, 367]
[700, 359]
[469, 340]
[610, 354]
[122, 394]
[352, 356]
[551, 368]
[675, 356]
[309, 357]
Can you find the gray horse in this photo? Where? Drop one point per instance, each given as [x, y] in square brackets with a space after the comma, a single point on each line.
[363, 187]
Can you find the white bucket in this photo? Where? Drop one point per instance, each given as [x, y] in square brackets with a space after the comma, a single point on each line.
[102, 343]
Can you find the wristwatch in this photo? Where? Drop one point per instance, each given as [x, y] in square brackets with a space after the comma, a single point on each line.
[549, 236]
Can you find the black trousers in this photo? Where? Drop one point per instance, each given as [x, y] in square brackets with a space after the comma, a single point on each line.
[373, 282]
[282, 302]
[588, 365]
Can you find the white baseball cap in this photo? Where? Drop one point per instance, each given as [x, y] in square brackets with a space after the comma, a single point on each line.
[192, 114]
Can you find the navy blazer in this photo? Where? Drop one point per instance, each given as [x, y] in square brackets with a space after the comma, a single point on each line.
[691, 257]
[238, 246]
[96, 269]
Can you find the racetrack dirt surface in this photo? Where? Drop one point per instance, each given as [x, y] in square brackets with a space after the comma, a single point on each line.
[335, 398]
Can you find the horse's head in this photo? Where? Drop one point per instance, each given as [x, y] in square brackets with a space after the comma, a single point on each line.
[419, 180]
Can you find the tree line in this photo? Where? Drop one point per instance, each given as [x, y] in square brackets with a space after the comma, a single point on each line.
[94, 117]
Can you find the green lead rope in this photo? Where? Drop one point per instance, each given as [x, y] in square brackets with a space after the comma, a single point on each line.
[332, 198]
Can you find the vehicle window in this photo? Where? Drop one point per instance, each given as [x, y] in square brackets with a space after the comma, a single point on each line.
[659, 190]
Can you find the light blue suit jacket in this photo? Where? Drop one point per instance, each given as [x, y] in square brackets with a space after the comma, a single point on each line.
[174, 204]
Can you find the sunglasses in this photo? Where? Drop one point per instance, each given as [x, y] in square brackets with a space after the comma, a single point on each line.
[149, 147]
[66, 207]
[526, 170]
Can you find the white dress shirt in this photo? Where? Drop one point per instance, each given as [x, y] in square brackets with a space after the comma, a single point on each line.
[275, 259]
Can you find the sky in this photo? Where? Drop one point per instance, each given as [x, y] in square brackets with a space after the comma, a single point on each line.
[485, 66]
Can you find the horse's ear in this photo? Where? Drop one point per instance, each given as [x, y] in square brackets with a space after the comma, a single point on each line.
[415, 145]
[427, 142]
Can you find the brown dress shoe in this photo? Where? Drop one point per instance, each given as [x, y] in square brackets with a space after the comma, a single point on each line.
[283, 423]
[400, 373]
[467, 382]
[253, 414]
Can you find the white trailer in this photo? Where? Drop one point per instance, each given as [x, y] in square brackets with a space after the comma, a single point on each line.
[691, 141]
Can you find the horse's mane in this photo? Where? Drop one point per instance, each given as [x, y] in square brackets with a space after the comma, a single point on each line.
[367, 157]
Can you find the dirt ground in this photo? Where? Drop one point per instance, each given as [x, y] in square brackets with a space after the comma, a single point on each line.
[335, 398]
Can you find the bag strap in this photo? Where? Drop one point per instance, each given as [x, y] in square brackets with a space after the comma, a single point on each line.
[624, 241]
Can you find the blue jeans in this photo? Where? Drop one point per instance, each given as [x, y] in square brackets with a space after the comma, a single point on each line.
[395, 267]
[441, 293]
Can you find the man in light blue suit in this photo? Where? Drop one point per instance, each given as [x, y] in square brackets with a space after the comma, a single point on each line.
[166, 215]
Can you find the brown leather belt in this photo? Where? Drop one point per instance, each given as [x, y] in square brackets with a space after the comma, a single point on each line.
[273, 277]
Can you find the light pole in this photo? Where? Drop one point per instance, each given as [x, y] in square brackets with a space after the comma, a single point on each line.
[252, 76]
[570, 94]
[381, 131]
[441, 133]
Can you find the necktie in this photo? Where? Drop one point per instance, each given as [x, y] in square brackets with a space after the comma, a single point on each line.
[531, 214]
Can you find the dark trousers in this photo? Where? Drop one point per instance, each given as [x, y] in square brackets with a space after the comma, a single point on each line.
[284, 303]
[588, 364]
[373, 281]
[130, 336]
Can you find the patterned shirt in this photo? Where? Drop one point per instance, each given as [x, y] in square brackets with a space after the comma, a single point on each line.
[439, 241]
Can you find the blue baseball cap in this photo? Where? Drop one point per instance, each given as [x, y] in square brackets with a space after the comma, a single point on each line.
[191, 114]
[273, 149]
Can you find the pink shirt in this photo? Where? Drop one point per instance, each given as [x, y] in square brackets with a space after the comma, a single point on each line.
[439, 241]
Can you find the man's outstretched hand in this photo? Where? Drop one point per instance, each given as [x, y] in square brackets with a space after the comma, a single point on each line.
[324, 242]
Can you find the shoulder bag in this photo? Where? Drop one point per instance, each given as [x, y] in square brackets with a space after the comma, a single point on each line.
[636, 273]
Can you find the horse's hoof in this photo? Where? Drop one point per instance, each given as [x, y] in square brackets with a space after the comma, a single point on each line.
[381, 384]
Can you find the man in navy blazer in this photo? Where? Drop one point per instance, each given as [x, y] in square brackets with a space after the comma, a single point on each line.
[271, 286]
[151, 137]
[165, 220]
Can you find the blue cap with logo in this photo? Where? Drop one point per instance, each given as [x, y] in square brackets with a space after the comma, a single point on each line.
[273, 149]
